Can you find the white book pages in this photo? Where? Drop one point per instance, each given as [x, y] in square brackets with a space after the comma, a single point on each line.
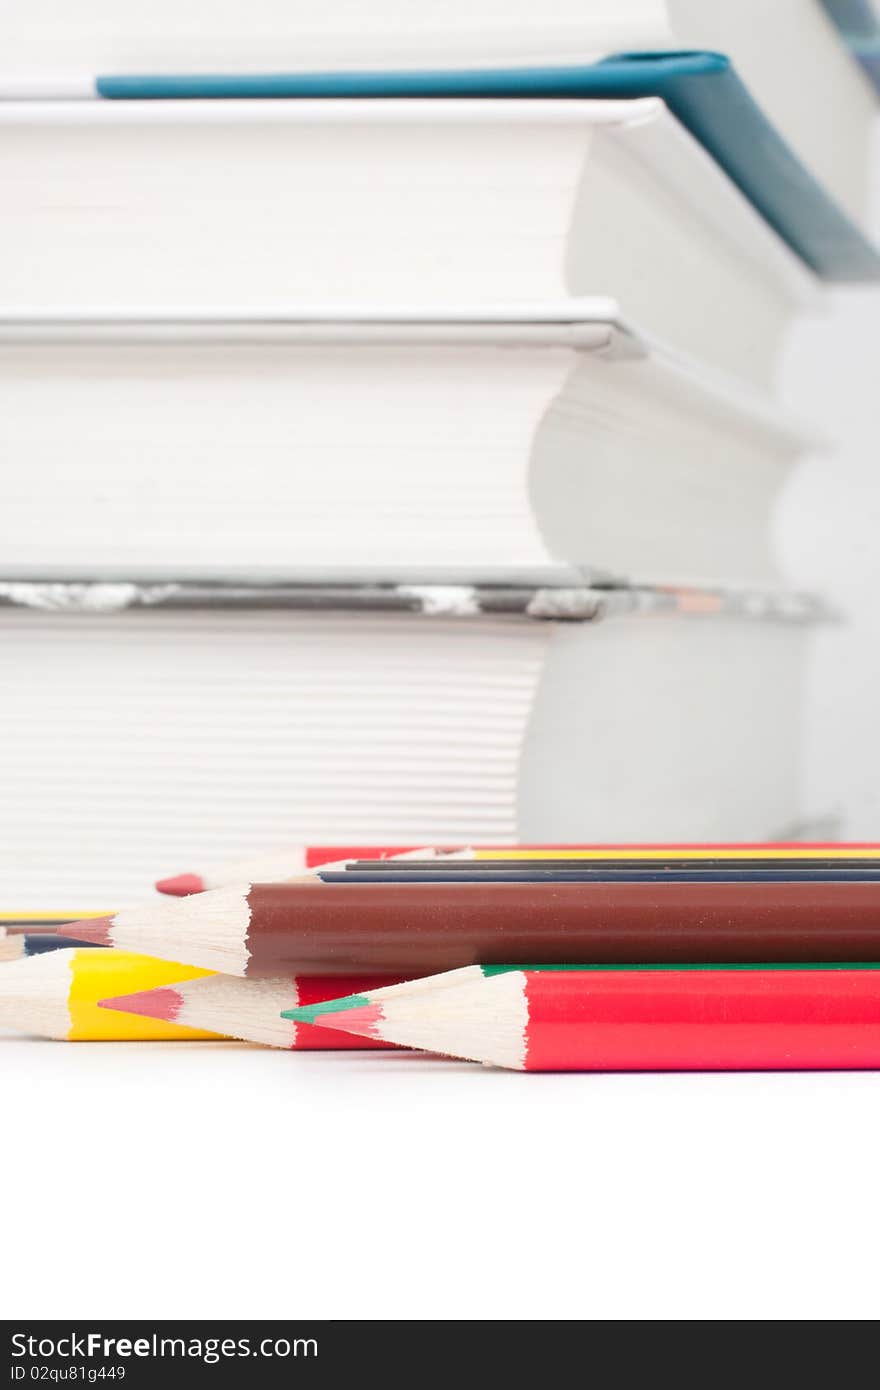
[650, 729]
[467, 457]
[136, 743]
[267, 203]
[240, 459]
[128, 742]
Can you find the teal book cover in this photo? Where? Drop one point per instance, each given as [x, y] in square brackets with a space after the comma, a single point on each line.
[702, 90]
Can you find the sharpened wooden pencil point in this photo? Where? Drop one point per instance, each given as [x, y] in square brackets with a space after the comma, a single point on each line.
[360, 1019]
[95, 929]
[181, 885]
[314, 1013]
[149, 1003]
[251, 1010]
[58, 994]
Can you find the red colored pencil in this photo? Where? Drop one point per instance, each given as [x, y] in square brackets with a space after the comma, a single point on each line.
[640, 1018]
[296, 860]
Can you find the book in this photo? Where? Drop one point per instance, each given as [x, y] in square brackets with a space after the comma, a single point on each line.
[786, 50]
[702, 90]
[392, 206]
[562, 442]
[140, 737]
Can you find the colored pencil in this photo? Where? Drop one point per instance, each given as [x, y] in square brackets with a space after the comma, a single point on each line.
[293, 862]
[16, 945]
[451, 864]
[56, 994]
[415, 929]
[250, 1010]
[524, 873]
[40, 921]
[578, 1018]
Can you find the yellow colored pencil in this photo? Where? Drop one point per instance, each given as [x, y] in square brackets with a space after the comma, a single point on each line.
[56, 995]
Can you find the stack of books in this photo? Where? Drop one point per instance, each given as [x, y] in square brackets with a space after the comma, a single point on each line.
[388, 409]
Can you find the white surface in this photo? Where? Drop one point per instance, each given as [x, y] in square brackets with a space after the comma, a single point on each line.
[400, 202]
[629, 1197]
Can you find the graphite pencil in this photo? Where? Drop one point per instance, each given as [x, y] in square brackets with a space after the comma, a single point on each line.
[518, 872]
[406, 930]
[293, 862]
[578, 1018]
[451, 864]
[250, 1010]
[16, 945]
[56, 995]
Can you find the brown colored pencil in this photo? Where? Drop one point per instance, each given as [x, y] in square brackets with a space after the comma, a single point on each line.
[424, 928]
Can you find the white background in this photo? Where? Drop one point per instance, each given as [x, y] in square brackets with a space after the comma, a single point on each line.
[210, 1180]
[831, 535]
[221, 1181]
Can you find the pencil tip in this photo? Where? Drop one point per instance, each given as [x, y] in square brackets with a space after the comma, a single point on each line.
[181, 885]
[149, 1003]
[314, 1013]
[94, 929]
[355, 1013]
